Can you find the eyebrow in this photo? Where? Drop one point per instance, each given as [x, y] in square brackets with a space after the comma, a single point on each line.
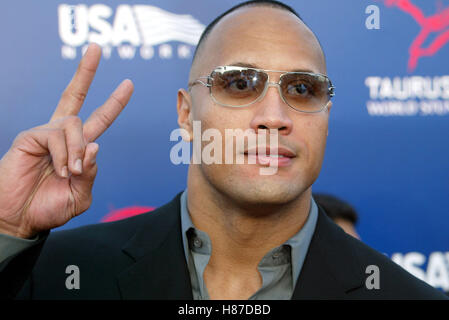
[254, 66]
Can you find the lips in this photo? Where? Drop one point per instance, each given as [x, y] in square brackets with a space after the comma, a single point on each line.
[267, 156]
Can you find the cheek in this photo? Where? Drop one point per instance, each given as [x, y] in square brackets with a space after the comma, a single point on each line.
[313, 133]
[215, 120]
[319, 133]
[213, 116]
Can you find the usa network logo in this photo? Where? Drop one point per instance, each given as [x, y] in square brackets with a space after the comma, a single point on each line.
[415, 95]
[128, 30]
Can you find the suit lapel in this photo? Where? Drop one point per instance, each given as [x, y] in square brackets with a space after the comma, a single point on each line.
[160, 270]
[330, 269]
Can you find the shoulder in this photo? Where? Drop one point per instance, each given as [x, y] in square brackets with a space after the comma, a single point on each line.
[96, 248]
[104, 242]
[381, 277]
[100, 233]
[393, 280]
[112, 234]
[97, 252]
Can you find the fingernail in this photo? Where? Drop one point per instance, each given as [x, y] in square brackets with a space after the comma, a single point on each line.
[79, 166]
[65, 172]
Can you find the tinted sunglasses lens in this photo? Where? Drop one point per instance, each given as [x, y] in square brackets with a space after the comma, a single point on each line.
[305, 92]
[237, 87]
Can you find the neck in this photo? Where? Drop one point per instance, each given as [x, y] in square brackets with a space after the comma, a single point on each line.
[241, 234]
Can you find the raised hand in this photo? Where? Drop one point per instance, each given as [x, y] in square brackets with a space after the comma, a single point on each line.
[47, 175]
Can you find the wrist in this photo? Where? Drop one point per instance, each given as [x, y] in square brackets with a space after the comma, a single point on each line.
[16, 232]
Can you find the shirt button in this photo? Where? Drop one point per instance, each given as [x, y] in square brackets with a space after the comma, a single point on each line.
[197, 242]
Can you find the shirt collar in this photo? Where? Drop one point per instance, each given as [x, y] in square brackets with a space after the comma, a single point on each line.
[299, 243]
[186, 223]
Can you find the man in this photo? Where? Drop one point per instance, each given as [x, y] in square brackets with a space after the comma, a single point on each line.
[234, 233]
[341, 212]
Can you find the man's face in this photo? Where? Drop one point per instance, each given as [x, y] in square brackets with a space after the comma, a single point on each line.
[272, 39]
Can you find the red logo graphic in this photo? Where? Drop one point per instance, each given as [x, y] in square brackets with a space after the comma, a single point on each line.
[125, 213]
[437, 23]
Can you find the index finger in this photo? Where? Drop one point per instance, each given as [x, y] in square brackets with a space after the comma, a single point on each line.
[74, 94]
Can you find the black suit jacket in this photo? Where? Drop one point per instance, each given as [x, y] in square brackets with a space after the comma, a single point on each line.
[142, 258]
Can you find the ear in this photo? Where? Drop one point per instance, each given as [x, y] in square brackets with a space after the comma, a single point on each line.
[329, 106]
[184, 108]
[328, 112]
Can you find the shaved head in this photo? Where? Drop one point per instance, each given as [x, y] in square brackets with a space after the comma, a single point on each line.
[199, 51]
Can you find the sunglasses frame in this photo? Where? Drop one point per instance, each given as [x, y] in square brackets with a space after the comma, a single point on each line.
[268, 83]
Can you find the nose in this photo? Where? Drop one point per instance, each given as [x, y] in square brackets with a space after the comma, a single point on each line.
[271, 112]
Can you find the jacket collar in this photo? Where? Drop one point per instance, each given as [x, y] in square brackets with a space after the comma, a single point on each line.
[160, 271]
[331, 268]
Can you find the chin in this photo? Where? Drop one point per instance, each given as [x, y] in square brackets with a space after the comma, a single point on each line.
[244, 187]
[266, 192]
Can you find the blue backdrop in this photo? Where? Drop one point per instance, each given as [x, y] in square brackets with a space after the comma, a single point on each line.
[388, 149]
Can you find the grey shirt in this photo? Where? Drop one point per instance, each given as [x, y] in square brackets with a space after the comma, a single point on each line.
[279, 268]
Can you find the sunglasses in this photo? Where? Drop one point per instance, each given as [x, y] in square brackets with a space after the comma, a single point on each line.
[232, 86]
